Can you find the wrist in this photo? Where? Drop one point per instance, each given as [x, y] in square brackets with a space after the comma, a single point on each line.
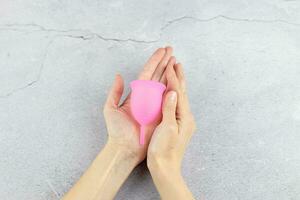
[125, 155]
[163, 168]
[168, 179]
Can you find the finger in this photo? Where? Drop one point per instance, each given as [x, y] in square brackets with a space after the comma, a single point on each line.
[151, 64]
[115, 93]
[180, 76]
[172, 81]
[174, 84]
[169, 107]
[183, 102]
[162, 65]
[163, 79]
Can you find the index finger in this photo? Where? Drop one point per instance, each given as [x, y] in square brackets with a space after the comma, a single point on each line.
[151, 64]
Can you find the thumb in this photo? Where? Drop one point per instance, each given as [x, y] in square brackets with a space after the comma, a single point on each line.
[169, 106]
[116, 92]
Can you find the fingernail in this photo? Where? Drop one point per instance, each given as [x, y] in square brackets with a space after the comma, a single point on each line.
[173, 95]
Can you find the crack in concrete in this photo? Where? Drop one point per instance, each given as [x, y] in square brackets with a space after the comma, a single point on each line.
[88, 35]
[259, 20]
[31, 83]
[38, 76]
[127, 40]
[170, 22]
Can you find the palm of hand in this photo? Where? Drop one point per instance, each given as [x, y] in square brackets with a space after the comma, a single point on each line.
[122, 128]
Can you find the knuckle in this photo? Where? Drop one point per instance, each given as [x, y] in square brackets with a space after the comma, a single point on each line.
[172, 127]
[170, 107]
[168, 115]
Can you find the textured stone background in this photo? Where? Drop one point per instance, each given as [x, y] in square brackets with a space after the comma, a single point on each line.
[242, 61]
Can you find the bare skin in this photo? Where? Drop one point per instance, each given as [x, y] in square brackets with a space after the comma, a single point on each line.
[123, 153]
[171, 137]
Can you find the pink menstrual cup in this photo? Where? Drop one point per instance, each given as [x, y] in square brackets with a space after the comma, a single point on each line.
[145, 102]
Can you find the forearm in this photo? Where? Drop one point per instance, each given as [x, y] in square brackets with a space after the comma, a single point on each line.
[170, 183]
[105, 175]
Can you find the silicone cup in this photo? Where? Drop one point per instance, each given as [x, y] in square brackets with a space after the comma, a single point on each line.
[145, 102]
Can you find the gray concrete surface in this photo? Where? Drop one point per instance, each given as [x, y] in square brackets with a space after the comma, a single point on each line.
[242, 61]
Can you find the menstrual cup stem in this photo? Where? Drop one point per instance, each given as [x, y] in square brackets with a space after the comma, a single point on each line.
[142, 135]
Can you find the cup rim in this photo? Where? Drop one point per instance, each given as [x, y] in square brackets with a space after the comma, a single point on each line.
[148, 82]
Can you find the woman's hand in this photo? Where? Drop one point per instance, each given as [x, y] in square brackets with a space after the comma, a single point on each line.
[123, 131]
[170, 138]
[122, 152]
